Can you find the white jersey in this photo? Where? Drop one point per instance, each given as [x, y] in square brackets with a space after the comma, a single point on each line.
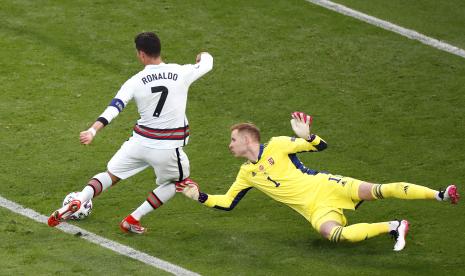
[160, 92]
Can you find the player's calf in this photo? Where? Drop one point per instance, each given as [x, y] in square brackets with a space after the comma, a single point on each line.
[360, 231]
[363, 231]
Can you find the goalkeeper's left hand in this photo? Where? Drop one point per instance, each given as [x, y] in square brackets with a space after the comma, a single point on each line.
[189, 188]
[301, 124]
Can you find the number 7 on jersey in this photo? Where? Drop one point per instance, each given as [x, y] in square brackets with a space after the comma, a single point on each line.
[161, 102]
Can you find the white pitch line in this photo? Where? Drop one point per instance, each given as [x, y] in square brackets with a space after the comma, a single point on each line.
[93, 238]
[390, 27]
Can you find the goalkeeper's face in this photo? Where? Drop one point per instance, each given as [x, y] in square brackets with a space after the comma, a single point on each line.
[238, 145]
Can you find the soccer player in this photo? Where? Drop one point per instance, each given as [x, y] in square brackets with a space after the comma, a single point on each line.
[319, 196]
[160, 92]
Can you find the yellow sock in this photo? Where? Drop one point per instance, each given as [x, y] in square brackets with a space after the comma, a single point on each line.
[358, 232]
[402, 190]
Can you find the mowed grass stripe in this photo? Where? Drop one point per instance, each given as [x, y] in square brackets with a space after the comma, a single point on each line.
[443, 46]
[114, 246]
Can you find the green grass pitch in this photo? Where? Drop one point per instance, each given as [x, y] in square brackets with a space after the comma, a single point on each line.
[390, 108]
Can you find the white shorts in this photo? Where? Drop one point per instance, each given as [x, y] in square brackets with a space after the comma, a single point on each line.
[170, 165]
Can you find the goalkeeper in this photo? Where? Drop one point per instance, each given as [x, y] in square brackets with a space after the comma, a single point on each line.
[319, 196]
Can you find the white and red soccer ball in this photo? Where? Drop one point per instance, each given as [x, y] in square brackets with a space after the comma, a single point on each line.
[84, 211]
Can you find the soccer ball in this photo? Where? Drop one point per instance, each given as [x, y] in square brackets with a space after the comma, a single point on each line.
[84, 211]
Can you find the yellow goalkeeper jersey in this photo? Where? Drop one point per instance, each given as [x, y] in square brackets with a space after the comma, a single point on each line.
[279, 174]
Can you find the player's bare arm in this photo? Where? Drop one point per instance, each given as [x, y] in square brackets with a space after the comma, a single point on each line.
[199, 57]
[87, 136]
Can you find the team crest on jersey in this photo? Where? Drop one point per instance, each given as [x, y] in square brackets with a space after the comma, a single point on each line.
[261, 168]
[271, 161]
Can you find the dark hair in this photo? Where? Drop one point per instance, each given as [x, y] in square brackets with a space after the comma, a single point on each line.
[248, 128]
[149, 43]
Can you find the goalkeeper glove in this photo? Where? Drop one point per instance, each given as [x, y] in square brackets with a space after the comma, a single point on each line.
[189, 188]
[301, 124]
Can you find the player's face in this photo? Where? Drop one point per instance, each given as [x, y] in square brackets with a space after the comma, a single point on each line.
[238, 144]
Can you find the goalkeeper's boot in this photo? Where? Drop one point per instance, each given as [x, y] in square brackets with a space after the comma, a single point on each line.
[130, 224]
[64, 213]
[399, 235]
[450, 194]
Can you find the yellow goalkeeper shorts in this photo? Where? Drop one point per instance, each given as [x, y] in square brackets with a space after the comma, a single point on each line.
[325, 214]
[331, 207]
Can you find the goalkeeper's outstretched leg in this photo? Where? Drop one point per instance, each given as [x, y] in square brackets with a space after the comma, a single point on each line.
[331, 223]
[335, 232]
[403, 190]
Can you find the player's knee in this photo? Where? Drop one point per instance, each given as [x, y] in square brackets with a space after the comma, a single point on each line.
[326, 229]
[326, 234]
[114, 178]
[365, 191]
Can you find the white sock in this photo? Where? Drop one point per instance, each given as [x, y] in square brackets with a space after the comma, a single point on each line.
[393, 225]
[157, 197]
[142, 210]
[445, 195]
[86, 194]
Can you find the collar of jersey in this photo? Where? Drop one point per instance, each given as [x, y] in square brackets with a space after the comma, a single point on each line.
[155, 64]
[262, 146]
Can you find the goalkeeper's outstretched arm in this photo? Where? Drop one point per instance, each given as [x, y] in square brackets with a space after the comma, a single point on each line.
[225, 202]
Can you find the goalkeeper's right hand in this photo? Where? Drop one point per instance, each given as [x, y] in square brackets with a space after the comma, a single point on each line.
[301, 124]
[189, 188]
